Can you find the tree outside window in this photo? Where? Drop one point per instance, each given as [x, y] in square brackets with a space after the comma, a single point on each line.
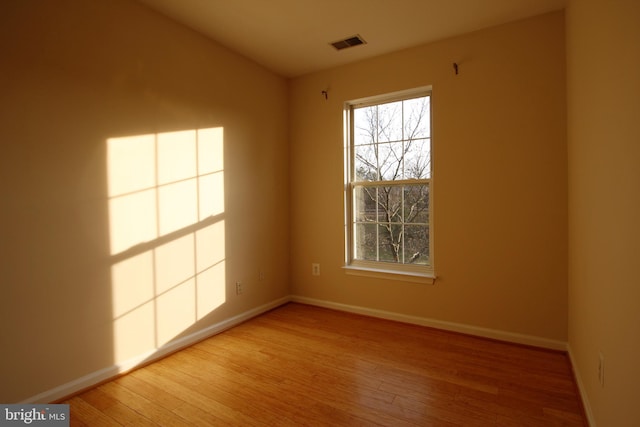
[390, 181]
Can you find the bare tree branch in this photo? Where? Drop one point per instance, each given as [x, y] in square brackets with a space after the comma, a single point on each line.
[386, 153]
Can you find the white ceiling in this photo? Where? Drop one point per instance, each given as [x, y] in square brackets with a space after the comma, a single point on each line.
[291, 37]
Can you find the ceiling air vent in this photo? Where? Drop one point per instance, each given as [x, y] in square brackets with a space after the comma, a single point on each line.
[348, 42]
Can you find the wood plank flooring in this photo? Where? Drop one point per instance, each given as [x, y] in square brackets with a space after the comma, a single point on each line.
[303, 365]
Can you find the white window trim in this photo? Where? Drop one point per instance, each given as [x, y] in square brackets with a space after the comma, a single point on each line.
[377, 269]
[360, 268]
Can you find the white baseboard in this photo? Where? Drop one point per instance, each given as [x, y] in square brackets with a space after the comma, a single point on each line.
[583, 392]
[107, 373]
[439, 324]
[110, 372]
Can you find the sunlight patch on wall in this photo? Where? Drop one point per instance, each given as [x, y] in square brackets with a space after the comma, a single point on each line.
[167, 234]
[132, 191]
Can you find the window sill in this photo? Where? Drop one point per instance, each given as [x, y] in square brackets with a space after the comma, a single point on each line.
[379, 273]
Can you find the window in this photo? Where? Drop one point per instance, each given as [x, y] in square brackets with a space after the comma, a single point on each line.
[388, 172]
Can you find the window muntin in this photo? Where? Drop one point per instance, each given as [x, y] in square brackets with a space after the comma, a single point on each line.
[389, 183]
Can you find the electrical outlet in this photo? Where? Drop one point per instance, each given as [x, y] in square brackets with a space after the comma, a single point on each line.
[239, 288]
[315, 269]
[601, 369]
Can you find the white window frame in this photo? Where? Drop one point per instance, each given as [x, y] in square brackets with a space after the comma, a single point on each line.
[382, 269]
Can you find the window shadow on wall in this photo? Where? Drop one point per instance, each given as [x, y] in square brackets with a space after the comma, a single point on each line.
[167, 236]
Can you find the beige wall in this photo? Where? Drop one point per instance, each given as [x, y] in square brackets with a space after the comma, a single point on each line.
[500, 193]
[603, 52]
[73, 75]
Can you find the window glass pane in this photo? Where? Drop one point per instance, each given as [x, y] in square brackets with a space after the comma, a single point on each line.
[364, 125]
[396, 240]
[389, 122]
[390, 157]
[416, 247]
[417, 159]
[365, 204]
[390, 204]
[366, 242]
[366, 163]
[416, 204]
[390, 242]
[417, 123]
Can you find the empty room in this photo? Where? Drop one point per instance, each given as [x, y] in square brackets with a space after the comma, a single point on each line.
[320, 212]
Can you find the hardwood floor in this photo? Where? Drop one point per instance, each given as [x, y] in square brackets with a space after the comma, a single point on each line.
[303, 365]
